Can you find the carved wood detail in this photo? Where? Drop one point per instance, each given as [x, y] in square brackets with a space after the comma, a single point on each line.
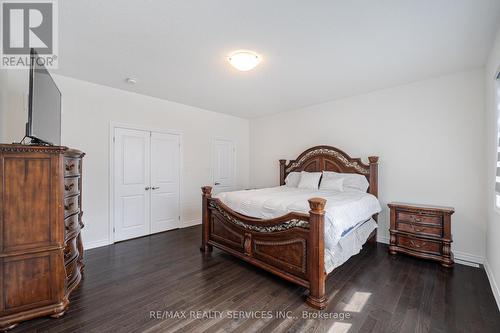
[331, 154]
[281, 226]
[327, 158]
[225, 234]
[288, 253]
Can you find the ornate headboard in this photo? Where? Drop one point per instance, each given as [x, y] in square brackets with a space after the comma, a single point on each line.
[326, 158]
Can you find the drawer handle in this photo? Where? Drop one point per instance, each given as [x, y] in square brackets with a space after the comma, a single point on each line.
[67, 251]
[69, 187]
[70, 167]
[416, 229]
[68, 206]
[70, 225]
[412, 243]
[416, 219]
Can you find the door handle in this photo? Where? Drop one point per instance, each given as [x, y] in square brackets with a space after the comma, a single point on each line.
[216, 183]
[155, 188]
[147, 188]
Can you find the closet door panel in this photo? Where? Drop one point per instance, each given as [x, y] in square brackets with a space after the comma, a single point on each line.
[165, 181]
[132, 182]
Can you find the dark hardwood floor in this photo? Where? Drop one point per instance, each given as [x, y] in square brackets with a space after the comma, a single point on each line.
[374, 292]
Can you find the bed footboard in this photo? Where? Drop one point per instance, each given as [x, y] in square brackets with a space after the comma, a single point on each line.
[291, 246]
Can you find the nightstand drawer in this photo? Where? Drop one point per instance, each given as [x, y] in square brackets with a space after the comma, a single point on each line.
[419, 229]
[418, 218]
[419, 244]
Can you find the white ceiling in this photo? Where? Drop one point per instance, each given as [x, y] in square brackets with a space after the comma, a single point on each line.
[313, 51]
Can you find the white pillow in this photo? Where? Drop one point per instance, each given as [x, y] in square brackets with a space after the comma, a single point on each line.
[292, 179]
[332, 183]
[352, 181]
[309, 180]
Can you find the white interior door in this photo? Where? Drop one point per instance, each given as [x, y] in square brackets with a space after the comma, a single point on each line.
[131, 182]
[165, 162]
[223, 154]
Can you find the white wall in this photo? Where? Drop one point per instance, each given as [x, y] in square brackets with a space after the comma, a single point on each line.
[3, 97]
[88, 110]
[428, 134]
[492, 264]
[13, 104]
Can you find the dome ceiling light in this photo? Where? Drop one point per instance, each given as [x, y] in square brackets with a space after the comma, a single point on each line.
[244, 60]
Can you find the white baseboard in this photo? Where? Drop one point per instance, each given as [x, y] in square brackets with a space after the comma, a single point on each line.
[191, 223]
[382, 239]
[104, 242]
[94, 244]
[493, 283]
[472, 258]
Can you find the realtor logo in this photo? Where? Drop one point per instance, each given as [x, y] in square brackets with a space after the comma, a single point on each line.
[27, 25]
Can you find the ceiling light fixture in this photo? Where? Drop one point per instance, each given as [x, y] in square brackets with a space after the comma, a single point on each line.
[131, 80]
[244, 60]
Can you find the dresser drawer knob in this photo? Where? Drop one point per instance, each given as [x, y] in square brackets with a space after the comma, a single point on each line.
[68, 206]
[416, 219]
[417, 229]
[70, 167]
[412, 243]
[69, 187]
[70, 225]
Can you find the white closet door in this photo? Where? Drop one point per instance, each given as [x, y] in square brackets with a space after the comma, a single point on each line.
[223, 165]
[132, 176]
[165, 163]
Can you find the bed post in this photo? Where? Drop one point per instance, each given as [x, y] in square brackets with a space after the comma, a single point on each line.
[205, 219]
[373, 190]
[373, 175]
[374, 178]
[282, 172]
[316, 254]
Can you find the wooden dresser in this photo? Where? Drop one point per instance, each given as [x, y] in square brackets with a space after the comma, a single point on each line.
[41, 252]
[422, 231]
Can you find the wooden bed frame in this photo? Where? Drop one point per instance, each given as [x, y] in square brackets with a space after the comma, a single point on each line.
[291, 246]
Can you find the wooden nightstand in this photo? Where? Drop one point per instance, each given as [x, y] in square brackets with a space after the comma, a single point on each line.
[421, 231]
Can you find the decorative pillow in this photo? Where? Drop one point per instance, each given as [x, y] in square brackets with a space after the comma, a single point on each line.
[309, 180]
[352, 181]
[292, 179]
[331, 183]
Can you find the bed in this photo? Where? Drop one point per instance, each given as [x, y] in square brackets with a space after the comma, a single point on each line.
[300, 235]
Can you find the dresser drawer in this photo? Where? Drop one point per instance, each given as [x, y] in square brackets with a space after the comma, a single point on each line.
[71, 270]
[71, 186]
[418, 218]
[418, 244]
[71, 225]
[71, 167]
[70, 250]
[419, 229]
[71, 205]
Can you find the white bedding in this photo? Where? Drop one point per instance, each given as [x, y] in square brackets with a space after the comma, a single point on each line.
[349, 245]
[343, 210]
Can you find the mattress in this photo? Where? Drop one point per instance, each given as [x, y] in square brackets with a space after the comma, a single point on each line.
[344, 212]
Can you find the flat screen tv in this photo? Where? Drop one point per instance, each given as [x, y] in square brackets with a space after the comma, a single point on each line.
[44, 105]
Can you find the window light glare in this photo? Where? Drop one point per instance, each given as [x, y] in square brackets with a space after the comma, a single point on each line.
[244, 60]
